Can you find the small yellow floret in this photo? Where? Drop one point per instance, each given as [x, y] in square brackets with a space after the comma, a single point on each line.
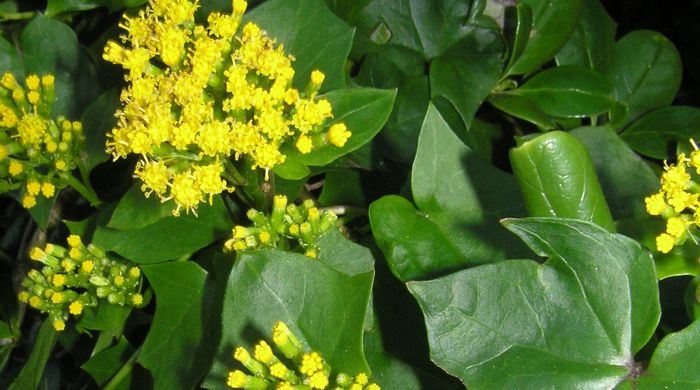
[23, 296]
[317, 77]
[264, 237]
[318, 380]
[48, 190]
[118, 280]
[241, 354]
[35, 302]
[59, 325]
[57, 297]
[263, 352]
[373, 386]
[137, 299]
[304, 144]
[74, 241]
[279, 370]
[237, 379]
[338, 135]
[134, 272]
[59, 280]
[75, 253]
[47, 80]
[32, 82]
[33, 187]
[361, 379]
[87, 266]
[28, 201]
[310, 363]
[15, 168]
[75, 308]
[60, 165]
[37, 254]
[665, 242]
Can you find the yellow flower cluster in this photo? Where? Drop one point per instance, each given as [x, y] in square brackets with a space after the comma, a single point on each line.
[77, 277]
[271, 372]
[678, 200]
[35, 150]
[303, 224]
[200, 95]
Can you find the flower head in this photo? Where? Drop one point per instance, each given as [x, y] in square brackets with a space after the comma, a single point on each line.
[201, 95]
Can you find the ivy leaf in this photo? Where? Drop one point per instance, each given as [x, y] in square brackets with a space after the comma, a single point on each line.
[177, 327]
[553, 23]
[625, 178]
[575, 321]
[10, 60]
[460, 199]
[55, 7]
[312, 34]
[50, 46]
[170, 237]
[656, 133]
[567, 91]
[98, 119]
[557, 179]
[674, 364]
[135, 211]
[647, 71]
[102, 366]
[323, 306]
[592, 43]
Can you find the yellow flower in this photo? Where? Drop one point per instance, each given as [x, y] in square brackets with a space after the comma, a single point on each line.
[665, 242]
[48, 189]
[59, 325]
[28, 201]
[338, 135]
[75, 308]
[319, 380]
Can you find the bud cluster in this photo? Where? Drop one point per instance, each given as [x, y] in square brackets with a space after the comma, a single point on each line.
[77, 277]
[309, 370]
[35, 150]
[288, 227]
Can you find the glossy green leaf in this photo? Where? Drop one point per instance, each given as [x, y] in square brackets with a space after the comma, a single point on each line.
[50, 46]
[363, 110]
[573, 322]
[625, 178]
[104, 365]
[425, 26]
[647, 71]
[523, 108]
[10, 61]
[557, 179]
[312, 34]
[460, 199]
[325, 307]
[135, 211]
[172, 347]
[33, 368]
[466, 74]
[98, 119]
[568, 91]
[592, 43]
[516, 28]
[347, 9]
[656, 133]
[342, 188]
[674, 364]
[55, 7]
[553, 23]
[108, 319]
[292, 168]
[170, 237]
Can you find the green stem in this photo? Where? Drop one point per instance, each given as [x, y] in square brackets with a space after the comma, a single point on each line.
[82, 189]
[123, 372]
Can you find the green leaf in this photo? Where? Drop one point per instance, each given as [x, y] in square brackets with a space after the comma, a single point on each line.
[523, 108]
[324, 307]
[455, 191]
[33, 368]
[108, 319]
[568, 91]
[41, 212]
[647, 71]
[363, 110]
[347, 9]
[170, 237]
[135, 211]
[656, 133]
[312, 34]
[557, 179]
[343, 187]
[425, 26]
[624, 177]
[466, 74]
[674, 364]
[98, 119]
[553, 23]
[172, 346]
[104, 365]
[50, 46]
[55, 7]
[592, 43]
[292, 168]
[10, 60]
[516, 28]
[573, 322]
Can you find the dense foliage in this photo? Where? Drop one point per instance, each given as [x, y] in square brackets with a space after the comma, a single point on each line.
[408, 193]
